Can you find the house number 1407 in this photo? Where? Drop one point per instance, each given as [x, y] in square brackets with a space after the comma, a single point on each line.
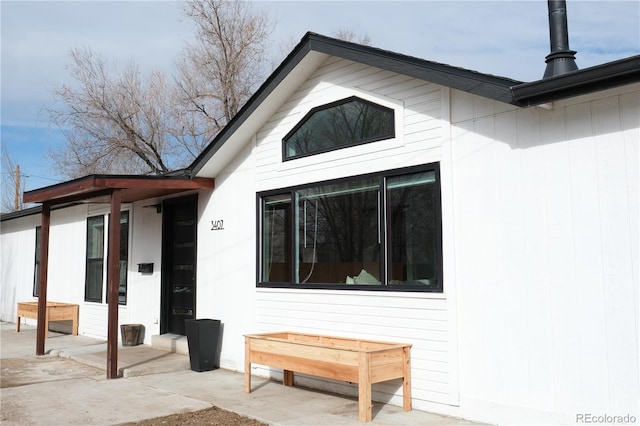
[217, 225]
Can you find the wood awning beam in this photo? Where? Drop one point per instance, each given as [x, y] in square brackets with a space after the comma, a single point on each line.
[94, 186]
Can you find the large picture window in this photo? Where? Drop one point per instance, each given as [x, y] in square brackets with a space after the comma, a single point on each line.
[378, 231]
[348, 122]
[96, 259]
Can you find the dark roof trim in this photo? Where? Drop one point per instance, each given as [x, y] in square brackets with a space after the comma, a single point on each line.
[20, 213]
[487, 85]
[576, 83]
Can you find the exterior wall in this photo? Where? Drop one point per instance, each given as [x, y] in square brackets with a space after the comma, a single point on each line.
[226, 257]
[546, 249]
[66, 275]
[66, 261]
[144, 290]
[17, 260]
[426, 320]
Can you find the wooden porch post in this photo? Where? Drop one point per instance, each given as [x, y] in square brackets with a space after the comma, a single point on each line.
[42, 284]
[113, 264]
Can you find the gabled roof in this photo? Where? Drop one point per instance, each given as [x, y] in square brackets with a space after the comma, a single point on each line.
[314, 48]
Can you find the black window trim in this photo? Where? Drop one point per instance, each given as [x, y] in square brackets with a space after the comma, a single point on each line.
[104, 298]
[323, 107]
[87, 298]
[439, 289]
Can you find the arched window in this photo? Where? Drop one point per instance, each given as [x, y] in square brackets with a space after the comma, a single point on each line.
[348, 122]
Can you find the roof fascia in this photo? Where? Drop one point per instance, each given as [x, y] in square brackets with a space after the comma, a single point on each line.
[487, 85]
[21, 213]
[576, 83]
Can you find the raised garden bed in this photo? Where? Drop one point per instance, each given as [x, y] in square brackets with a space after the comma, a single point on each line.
[353, 360]
[55, 311]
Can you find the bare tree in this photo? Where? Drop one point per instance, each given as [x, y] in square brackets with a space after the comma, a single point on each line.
[113, 122]
[12, 183]
[220, 70]
[116, 121]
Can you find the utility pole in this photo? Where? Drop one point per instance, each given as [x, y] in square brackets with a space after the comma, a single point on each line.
[17, 198]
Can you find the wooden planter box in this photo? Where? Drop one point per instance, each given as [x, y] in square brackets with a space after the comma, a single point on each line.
[56, 311]
[358, 361]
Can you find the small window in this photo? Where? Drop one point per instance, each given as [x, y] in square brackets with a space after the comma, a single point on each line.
[124, 257]
[95, 259]
[341, 124]
[95, 284]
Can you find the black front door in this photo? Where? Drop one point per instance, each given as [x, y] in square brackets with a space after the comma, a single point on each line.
[178, 263]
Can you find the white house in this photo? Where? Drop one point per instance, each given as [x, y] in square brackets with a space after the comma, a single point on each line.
[491, 223]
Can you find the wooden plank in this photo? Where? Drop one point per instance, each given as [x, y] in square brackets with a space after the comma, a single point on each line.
[247, 364]
[310, 352]
[364, 388]
[406, 380]
[330, 370]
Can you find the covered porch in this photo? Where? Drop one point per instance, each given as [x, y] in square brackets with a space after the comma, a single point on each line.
[113, 190]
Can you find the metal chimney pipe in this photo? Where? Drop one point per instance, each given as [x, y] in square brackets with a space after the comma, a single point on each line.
[561, 60]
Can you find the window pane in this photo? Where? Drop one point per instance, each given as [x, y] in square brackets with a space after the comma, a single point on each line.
[338, 234]
[95, 255]
[345, 123]
[413, 230]
[36, 273]
[93, 289]
[95, 237]
[124, 257]
[276, 225]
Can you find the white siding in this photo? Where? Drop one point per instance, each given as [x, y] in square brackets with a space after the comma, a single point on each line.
[419, 127]
[226, 258]
[67, 262]
[547, 255]
[424, 320]
[17, 257]
[419, 319]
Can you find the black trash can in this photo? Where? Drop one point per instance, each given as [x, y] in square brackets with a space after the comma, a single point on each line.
[131, 334]
[202, 338]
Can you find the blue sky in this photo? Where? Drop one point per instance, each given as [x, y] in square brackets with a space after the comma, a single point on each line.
[506, 38]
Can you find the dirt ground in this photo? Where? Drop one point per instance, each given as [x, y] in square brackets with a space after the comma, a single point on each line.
[212, 416]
